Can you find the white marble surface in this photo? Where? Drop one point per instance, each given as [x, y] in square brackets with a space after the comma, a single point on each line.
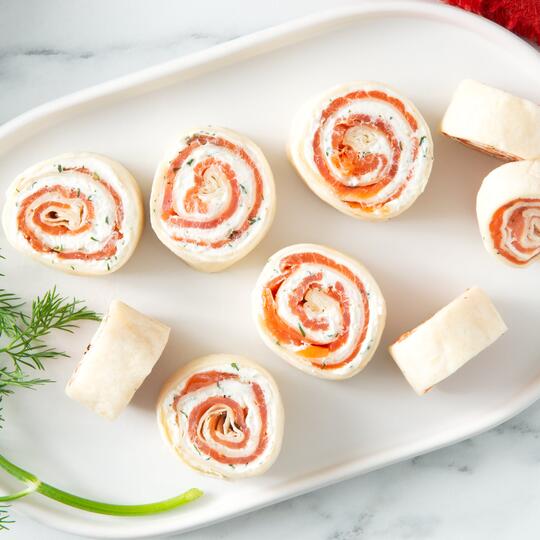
[484, 488]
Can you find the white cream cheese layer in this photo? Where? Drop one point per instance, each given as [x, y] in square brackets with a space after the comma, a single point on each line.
[412, 168]
[321, 306]
[440, 346]
[203, 232]
[508, 212]
[57, 189]
[175, 411]
[493, 121]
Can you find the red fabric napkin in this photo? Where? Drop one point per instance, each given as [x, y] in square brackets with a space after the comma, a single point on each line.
[519, 16]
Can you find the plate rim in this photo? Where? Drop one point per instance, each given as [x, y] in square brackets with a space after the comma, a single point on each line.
[250, 45]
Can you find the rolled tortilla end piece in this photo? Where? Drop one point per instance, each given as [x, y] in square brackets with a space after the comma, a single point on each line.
[363, 148]
[120, 356]
[223, 416]
[493, 121]
[508, 212]
[438, 347]
[319, 310]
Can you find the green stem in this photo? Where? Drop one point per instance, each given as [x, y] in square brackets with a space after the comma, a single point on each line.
[35, 485]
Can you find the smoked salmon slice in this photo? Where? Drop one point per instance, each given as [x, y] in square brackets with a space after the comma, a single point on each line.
[222, 414]
[80, 213]
[319, 310]
[362, 148]
[213, 198]
[508, 212]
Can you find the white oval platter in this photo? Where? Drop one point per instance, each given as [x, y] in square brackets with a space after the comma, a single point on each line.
[421, 260]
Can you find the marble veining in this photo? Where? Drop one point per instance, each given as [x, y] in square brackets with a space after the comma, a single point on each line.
[484, 488]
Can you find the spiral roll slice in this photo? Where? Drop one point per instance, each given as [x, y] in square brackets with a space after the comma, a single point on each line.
[363, 149]
[440, 346]
[319, 310]
[80, 213]
[222, 415]
[508, 211]
[493, 121]
[213, 198]
[120, 356]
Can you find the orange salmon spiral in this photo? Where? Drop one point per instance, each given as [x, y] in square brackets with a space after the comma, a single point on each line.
[319, 310]
[222, 414]
[508, 211]
[81, 213]
[362, 148]
[213, 198]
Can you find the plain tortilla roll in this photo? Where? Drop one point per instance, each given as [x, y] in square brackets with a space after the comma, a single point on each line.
[222, 415]
[493, 121]
[508, 212]
[120, 356]
[440, 346]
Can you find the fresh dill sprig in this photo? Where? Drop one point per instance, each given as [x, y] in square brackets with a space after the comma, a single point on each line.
[4, 517]
[22, 348]
[25, 333]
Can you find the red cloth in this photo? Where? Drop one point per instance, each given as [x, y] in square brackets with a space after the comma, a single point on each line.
[519, 16]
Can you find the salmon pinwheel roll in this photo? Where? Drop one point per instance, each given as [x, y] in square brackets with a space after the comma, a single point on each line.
[222, 415]
[508, 211]
[81, 213]
[213, 198]
[444, 343]
[493, 121]
[362, 148]
[319, 310]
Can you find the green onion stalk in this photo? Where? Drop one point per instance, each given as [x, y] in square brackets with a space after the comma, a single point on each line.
[35, 485]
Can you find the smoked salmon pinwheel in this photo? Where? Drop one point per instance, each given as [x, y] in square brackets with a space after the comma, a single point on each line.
[508, 211]
[493, 121]
[222, 414]
[319, 310]
[213, 198]
[362, 148]
[80, 213]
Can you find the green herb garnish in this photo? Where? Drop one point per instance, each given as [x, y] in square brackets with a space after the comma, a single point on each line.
[23, 349]
[302, 331]
[190, 161]
[235, 366]
[60, 168]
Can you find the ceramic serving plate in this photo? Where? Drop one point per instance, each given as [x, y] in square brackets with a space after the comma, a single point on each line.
[422, 259]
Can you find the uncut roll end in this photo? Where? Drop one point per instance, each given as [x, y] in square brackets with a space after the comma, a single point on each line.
[118, 359]
[441, 345]
[493, 121]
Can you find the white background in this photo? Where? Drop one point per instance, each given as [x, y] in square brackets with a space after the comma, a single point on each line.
[484, 488]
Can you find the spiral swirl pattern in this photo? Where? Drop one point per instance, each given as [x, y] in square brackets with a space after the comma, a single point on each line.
[223, 415]
[508, 209]
[81, 213]
[363, 149]
[213, 198]
[319, 310]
